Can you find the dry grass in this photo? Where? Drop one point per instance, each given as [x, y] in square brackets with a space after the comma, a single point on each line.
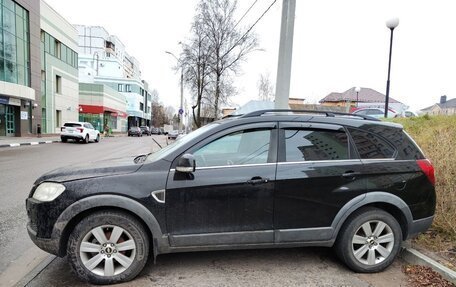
[436, 135]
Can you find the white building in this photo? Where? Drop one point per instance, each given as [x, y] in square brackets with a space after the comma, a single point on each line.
[104, 60]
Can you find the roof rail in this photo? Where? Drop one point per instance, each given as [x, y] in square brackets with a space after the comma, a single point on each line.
[327, 113]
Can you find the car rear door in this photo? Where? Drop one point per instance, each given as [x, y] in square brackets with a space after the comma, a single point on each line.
[317, 173]
[228, 199]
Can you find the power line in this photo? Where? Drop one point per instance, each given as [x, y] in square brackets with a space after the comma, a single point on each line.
[250, 29]
[246, 12]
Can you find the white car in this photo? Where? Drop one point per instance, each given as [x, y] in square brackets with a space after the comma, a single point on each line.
[79, 131]
[376, 112]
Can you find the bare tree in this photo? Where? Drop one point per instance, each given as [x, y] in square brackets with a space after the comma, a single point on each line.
[213, 56]
[194, 59]
[159, 118]
[265, 88]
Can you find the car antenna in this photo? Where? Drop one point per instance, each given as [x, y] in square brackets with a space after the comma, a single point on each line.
[157, 143]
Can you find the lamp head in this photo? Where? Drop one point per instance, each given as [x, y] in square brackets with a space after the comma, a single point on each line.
[357, 89]
[392, 23]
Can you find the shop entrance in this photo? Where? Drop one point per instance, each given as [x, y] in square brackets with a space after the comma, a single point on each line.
[7, 120]
[10, 122]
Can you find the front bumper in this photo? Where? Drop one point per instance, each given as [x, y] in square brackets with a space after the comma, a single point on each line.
[49, 245]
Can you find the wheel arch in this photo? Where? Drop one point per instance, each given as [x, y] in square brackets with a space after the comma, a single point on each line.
[73, 214]
[388, 202]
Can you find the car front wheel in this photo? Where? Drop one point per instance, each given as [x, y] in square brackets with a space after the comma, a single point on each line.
[98, 138]
[108, 247]
[369, 241]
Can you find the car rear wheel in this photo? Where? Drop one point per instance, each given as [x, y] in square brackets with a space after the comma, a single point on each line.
[369, 241]
[63, 139]
[108, 247]
[86, 139]
[98, 138]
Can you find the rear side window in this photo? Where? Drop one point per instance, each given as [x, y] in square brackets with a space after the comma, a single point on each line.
[314, 145]
[371, 146]
[72, 125]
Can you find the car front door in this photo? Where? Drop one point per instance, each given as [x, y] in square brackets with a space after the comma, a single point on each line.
[228, 199]
[317, 173]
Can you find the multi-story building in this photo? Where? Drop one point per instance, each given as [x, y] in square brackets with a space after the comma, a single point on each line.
[103, 107]
[19, 67]
[59, 71]
[104, 60]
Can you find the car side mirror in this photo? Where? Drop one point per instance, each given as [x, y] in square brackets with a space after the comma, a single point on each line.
[186, 163]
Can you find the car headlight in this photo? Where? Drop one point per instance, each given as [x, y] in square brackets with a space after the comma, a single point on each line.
[48, 191]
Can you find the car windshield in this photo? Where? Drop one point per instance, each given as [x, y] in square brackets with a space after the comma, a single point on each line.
[178, 143]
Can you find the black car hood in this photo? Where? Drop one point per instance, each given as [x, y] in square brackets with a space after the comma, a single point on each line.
[108, 167]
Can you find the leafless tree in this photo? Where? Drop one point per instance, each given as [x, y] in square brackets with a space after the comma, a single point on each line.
[194, 59]
[214, 53]
[265, 88]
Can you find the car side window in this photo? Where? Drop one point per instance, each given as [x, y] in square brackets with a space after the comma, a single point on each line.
[90, 126]
[314, 145]
[238, 148]
[374, 112]
[371, 146]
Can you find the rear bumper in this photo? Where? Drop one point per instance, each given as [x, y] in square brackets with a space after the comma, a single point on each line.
[419, 226]
[72, 136]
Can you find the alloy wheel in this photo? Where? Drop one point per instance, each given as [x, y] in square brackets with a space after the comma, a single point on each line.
[373, 242]
[107, 250]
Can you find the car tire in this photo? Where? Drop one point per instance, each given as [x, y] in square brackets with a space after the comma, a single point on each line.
[115, 261]
[86, 139]
[98, 138]
[369, 240]
[63, 139]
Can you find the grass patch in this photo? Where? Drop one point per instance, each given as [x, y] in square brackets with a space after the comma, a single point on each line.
[436, 135]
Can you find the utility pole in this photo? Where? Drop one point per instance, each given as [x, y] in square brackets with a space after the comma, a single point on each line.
[285, 54]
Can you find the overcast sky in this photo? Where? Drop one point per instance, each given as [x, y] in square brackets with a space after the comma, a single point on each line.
[337, 44]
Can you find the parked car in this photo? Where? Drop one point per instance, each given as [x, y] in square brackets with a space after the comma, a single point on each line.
[156, 131]
[410, 114]
[264, 179]
[172, 135]
[79, 131]
[162, 131]
[145, 130]
[376, 112]
[135, 131]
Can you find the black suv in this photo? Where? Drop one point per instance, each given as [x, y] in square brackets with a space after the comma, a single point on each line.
[265, 179]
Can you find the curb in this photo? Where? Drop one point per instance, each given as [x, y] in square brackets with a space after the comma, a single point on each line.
[415, 257]
[28, 143]
[35, 271]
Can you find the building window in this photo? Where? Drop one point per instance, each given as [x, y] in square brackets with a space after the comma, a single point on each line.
[14, 44]
[58, 84]
[127, 88]
[57, 49]
[141, 106]
[120, 87]
[58, 118]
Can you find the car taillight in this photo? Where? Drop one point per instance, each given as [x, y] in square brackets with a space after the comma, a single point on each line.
[80, 129]
[427, 168]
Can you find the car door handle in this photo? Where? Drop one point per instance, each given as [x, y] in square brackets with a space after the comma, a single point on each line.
[257, 180]
[350, 174]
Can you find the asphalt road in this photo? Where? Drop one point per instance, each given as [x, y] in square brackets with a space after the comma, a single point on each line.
[19, 167]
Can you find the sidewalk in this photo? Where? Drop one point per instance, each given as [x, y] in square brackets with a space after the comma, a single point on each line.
[34, 140]
[21, 141]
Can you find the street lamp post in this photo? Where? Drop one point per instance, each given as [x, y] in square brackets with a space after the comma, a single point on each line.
[391, 24]
[357, 90]
[181, 90]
